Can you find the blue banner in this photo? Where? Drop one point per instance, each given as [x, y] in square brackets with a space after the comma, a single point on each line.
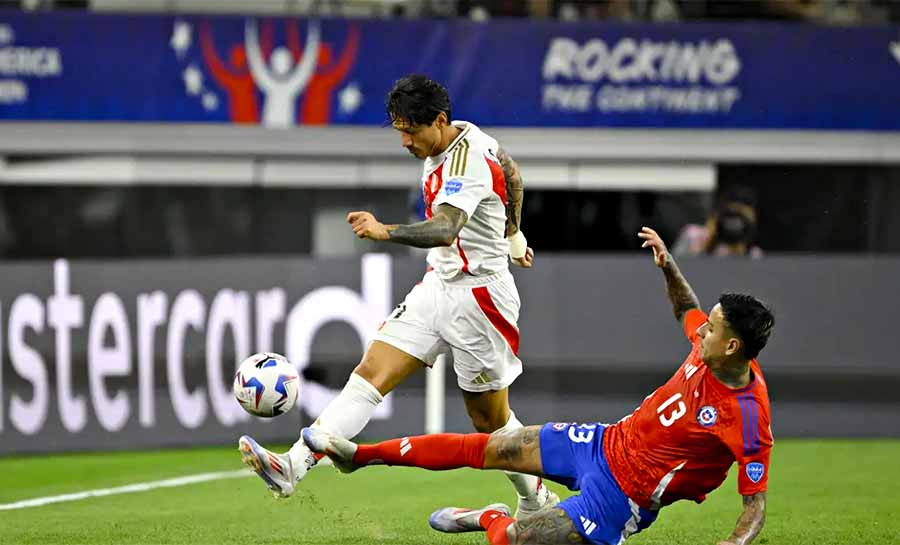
[282, 72]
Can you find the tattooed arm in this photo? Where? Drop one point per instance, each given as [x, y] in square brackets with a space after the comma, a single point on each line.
[441, 230]
[750, 522]
[680, 293]
[515, 191]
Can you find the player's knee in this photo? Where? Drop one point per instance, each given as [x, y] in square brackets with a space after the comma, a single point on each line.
[366, 369]
[480, 422]
[374, 371]
[486, 419]
[486, 422]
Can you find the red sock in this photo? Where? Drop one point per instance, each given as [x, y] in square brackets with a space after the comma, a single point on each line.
[495, 524]
[437, 452]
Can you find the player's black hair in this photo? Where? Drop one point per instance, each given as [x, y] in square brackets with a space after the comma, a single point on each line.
[417, 99]
[750, 318]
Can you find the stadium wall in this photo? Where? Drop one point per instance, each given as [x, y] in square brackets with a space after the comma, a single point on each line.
[127, 354]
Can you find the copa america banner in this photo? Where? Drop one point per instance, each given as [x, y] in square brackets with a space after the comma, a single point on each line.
[281, 72]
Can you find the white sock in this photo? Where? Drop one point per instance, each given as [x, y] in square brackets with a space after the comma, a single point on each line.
[345, 416]
[525, 485]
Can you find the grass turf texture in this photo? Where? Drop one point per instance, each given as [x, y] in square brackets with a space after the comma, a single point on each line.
[820, 492]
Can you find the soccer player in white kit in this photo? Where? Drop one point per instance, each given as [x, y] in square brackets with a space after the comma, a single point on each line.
[467, 304]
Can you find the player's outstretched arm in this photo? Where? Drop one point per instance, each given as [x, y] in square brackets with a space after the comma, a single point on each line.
[441, 230]
[750, 522]
[680, 293]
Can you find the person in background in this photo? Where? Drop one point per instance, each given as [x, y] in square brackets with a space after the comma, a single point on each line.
[730, 229]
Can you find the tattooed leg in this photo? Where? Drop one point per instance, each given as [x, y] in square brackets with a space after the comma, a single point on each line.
[519, 450]
[550, 527]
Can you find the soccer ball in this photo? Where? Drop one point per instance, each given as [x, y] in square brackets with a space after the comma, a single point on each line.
[266, 385]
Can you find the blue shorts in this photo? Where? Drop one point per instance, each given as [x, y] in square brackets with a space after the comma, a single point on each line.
[572, 455]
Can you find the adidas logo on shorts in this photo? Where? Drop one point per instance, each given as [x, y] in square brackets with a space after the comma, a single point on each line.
[588, 525]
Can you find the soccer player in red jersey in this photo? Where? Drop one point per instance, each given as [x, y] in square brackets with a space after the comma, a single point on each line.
[678, 445]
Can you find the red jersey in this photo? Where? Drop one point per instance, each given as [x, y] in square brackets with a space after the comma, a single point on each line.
[681, 441]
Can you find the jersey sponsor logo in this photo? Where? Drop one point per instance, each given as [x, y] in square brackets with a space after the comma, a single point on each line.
[755, 470]
[452, 187]
[707, 416]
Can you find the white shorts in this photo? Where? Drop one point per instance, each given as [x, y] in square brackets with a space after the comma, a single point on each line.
[473, 319]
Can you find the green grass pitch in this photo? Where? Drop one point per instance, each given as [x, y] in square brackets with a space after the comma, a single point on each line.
[820, 492]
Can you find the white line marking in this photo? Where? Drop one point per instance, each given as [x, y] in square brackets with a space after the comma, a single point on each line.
[128, 489]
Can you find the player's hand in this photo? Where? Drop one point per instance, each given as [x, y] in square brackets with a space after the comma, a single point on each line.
[653, 241]
[365, 225]
[526, 261]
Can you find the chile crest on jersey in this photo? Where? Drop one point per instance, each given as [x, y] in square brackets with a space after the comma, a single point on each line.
[707, 416]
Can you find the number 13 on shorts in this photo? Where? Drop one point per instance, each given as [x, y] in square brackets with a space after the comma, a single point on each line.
[582, 434]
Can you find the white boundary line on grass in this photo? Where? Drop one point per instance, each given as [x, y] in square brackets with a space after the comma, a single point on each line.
[128, 489]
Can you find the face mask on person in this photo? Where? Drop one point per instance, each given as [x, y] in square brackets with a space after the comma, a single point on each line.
[734, 227]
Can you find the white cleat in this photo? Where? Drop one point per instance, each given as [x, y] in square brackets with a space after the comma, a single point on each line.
[338, 449]
[454, 520]
[544, 499]
[274, 469]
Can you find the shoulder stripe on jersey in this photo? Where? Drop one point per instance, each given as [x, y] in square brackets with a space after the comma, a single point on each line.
[745, 422]
[755, 416]
[750, 421]
[459, 139]
[453, 160]
[460, 159]
[754, 408]
[465, 157]
[456, 161]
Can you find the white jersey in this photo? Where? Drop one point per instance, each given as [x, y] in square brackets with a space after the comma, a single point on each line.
[468, 176]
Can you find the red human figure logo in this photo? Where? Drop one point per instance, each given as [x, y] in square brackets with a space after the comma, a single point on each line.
[235, 77]
[316, 105]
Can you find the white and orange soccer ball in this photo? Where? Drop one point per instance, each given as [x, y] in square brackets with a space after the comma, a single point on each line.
[266, 385]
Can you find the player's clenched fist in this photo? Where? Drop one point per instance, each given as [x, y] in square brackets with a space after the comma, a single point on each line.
[653, 241]
[365, 225]
[526, 261]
